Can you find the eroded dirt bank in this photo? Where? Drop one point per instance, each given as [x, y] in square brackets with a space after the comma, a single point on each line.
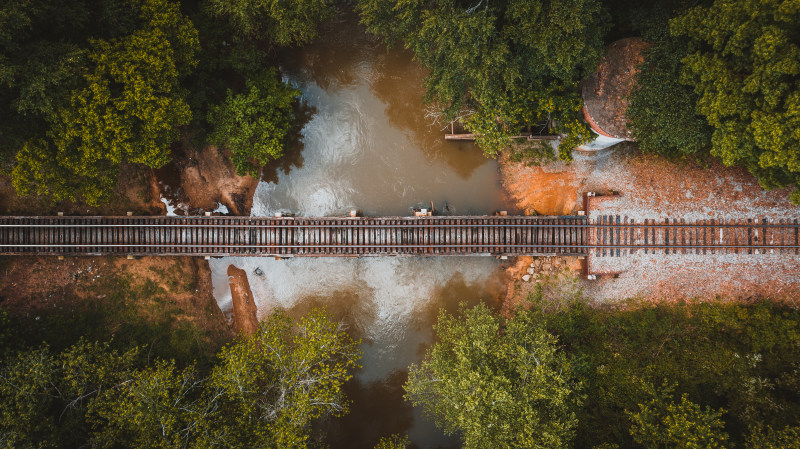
[545, 190]
[203, 180]
[245, 319]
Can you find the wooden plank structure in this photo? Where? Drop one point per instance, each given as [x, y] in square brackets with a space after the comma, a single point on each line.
[289, 237]
[616, 236]
[609, 236]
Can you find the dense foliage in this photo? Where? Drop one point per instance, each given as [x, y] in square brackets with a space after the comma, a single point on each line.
[86, 86]
[127, 109]
[496, 387]
[264, 392]
[499, 66]
[647, 375]
[722, 79]
[663, 421]
[746, 70]
[393, 442]
[653, 369]
[661, 111]
[255, 124]
[282, 22]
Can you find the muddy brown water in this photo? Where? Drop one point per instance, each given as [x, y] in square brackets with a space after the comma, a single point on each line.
[370, 146]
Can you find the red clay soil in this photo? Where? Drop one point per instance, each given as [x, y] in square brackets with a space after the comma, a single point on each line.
[541, 190]
[245, 320]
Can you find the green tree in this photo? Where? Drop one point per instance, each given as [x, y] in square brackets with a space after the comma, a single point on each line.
[129, 111]
[745, 70]
[662, 113]
[41, 61]
[44, 397]
[496, 384]
[393, 442]
[765, 437]
[281, 22]
[742, 358]
[255, 124]
[499, 66]
[273, 384]
[27, 394]
[663, 423]
[157, 408]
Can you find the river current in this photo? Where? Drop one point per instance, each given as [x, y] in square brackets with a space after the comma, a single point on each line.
[369, 145]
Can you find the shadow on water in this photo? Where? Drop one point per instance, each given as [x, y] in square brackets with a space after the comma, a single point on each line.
[377, 410]
[293, 157]
[458, 291]
[334, 59]
[345, 56]
[353, 307]
[399, 84]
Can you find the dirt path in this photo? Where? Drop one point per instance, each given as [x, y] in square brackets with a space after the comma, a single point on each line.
[655, 188]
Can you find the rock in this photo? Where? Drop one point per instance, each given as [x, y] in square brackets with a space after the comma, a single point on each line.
[526, 278]
[258, 271]
[531, 271]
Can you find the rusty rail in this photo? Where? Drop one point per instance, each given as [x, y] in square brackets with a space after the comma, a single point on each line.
[616, 236]
[352, 237]
[252, 236]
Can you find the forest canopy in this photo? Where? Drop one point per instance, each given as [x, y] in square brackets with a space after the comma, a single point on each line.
[723, 79]
[499, 66]
[686, 375]
[126, 107]
[263, 391]
[86, 86]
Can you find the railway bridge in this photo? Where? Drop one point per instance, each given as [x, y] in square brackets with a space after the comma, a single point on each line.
[390, 236]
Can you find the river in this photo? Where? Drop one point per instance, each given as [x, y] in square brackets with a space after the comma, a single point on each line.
[370, 146]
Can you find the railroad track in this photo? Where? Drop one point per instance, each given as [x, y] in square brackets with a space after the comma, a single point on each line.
[352, 237]
[617, 236]
[249, 236]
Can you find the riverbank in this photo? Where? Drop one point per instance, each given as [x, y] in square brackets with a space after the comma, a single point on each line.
[655, 188]
[164, 303]
[204, 180]
[171, 295]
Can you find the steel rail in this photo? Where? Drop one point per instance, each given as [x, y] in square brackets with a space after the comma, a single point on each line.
[310, 226]
[389, 246]
[336, 236]
[401, 225]
[376, 246]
